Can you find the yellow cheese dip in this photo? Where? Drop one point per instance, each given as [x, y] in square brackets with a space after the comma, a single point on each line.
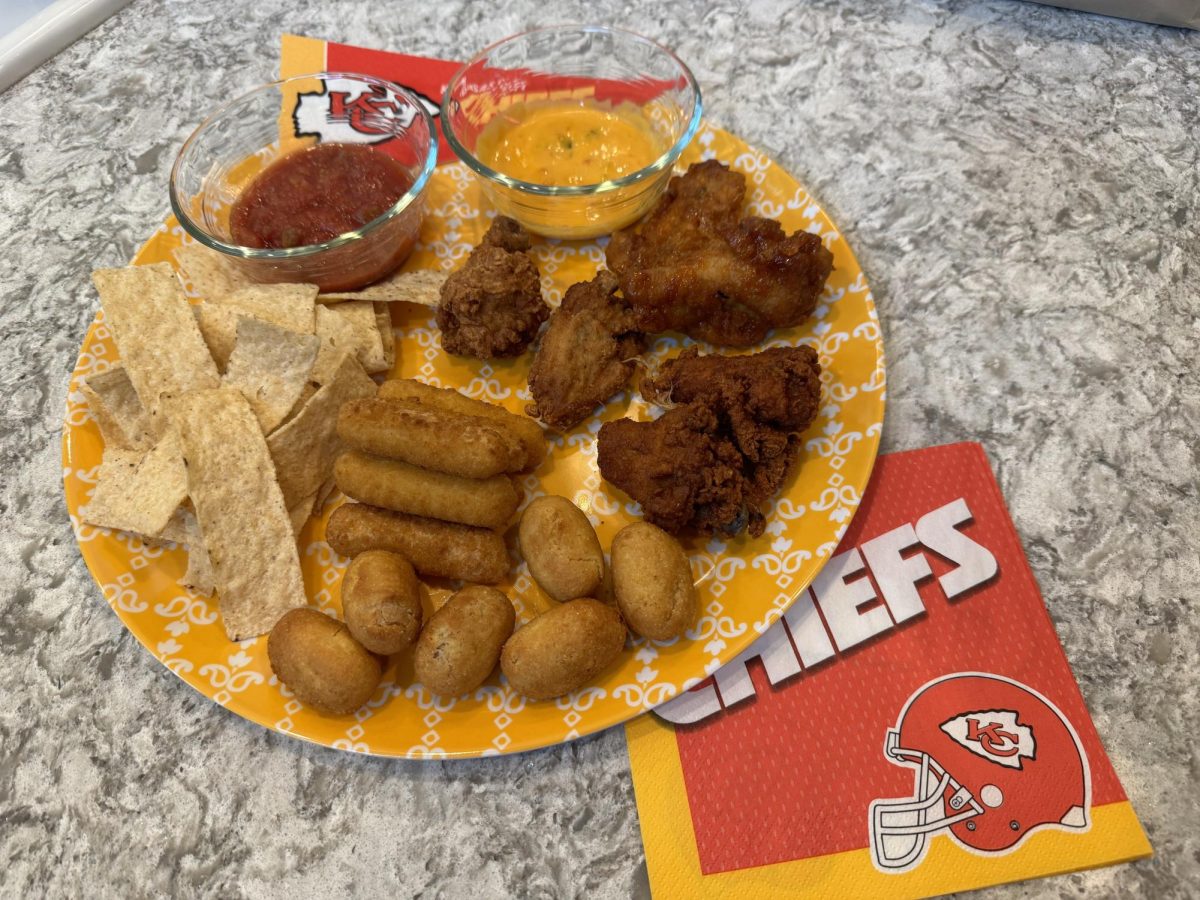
[569, 142]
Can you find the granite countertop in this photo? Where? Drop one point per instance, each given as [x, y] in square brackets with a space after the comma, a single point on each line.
[1020, 185]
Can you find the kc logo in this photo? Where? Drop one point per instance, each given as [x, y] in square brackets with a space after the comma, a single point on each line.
[990, 736]
[368, 113]
[993, 734]
[351, 112]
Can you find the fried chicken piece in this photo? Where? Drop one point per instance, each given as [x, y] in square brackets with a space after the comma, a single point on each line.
[680, 467]
[493, 305]
[712, 464]
[507, 234]
[586, 355]
[779, 386]
[695, 265]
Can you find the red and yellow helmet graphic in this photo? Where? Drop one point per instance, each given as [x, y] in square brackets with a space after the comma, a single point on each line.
[994, 761]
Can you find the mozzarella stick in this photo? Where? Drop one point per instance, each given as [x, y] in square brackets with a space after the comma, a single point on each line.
[526, 429]
[437, 439]
[441, 549]
[487, 502]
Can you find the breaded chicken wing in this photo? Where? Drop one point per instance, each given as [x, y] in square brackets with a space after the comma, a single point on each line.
[779, 386]
[695, 265]
[712, 463]
[586, 355]
[493, 305]
[680, 467]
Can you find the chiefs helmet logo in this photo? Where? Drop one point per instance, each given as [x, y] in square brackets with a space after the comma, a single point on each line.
[993, 734]
[993, 761]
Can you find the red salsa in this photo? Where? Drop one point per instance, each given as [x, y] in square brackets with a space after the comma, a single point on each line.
[316, 194]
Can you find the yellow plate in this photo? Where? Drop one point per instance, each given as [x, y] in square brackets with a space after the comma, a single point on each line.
[744, 584]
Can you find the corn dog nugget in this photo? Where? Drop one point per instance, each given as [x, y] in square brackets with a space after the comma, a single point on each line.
[432, 438]
[486, 502]
[526, 429]
[441, 549]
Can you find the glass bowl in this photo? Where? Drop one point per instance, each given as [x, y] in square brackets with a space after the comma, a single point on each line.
[240, 139]
[608, 65]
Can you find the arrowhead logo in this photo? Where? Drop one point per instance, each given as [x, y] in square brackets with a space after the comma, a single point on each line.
[349, 112]
[994, 734]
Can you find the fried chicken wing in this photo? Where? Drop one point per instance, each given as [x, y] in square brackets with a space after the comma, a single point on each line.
[779, 386]
[713, 462]
[493, 305]
[680, 467]
[586, 355]
[695, 265]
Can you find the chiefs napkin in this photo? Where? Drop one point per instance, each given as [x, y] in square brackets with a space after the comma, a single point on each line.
[910, 727]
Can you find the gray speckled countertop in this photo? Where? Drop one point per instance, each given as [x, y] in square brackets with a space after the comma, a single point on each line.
[1021, 187]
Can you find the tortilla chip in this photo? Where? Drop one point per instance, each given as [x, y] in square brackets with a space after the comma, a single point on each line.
[287, 305]
[326, 366]
[270, 366]
[155, 332]
[199, 577]
[383, 321]
[218, 327]
[178, 529]
[311, 388]
[242, 516]
[323, 495]
[184, 529]
[139, 492]
[423, 286]
[118, 412]
[210, 271]
[304, 448]
[350, 326]
[300, 512]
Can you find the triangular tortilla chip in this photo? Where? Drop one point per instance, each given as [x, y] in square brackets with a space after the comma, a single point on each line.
[423, 287]
[300, 513]
[156, 335]
[118, 412]
[350, 326]
[270, 366]
[177, 527]
[242, 516]
[287, 305]
[383, 321]
[218, 327]
[323, 495]
[210, 271]
[304, 448]
[184, 529]
[328, 359]
[139, 492]
[199, 577]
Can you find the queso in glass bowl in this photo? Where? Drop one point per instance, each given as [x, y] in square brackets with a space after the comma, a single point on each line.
[572, 129]
[315, 179]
